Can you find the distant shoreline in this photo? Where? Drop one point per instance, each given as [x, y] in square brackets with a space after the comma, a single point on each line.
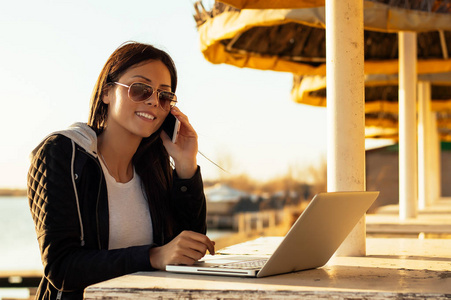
[13, 192]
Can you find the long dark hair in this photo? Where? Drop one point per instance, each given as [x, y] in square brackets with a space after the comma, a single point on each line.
[151, 159]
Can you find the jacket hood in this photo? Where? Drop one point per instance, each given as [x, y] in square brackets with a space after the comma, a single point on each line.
[80, 133]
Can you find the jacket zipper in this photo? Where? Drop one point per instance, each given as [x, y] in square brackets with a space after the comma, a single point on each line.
[98, 195]
[59, 295]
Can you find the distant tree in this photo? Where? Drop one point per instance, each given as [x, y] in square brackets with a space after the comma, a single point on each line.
[242, 182]
[319, 177]
[297, 184]
[226, 164]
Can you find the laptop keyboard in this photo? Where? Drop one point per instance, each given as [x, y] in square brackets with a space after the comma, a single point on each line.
[246, 265]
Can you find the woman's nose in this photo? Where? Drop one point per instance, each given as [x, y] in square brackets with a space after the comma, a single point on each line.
[153, 100]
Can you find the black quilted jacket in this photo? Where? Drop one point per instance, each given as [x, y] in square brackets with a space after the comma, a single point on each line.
[68, 201]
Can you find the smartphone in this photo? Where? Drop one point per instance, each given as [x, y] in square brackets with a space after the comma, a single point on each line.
[171, 126]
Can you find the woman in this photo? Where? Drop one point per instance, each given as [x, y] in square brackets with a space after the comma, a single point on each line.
[103, 195]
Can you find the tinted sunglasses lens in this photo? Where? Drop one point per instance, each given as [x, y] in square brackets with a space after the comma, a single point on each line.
[139, 92]
[167, 99]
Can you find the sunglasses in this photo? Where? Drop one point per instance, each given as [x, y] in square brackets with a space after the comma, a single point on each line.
[139, 92]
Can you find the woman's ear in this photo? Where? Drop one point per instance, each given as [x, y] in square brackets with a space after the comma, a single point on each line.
[106, 94]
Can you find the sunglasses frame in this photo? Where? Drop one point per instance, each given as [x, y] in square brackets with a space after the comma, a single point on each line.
[172, 103]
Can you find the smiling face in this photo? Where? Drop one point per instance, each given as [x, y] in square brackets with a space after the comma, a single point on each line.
[143, 118]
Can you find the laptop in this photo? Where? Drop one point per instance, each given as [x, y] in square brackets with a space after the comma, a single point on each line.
[309, 244]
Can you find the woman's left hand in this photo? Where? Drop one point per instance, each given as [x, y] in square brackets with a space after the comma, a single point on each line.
[184, 151]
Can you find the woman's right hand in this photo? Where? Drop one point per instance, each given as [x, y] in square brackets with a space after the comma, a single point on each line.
[187, 248]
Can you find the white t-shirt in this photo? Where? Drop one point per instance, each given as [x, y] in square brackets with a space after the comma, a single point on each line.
[130, 223]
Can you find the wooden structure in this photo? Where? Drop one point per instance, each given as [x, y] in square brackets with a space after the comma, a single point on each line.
[382, 173]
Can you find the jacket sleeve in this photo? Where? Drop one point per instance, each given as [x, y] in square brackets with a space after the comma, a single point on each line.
[67, 264]
[188, 200]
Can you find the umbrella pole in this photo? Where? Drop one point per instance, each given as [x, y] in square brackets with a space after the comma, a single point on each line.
[436, 191]
[435, 181]
[424, 144]
[345, 108]
[408, 184]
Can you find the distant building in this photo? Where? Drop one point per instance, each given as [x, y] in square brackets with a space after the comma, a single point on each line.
[222, 202]
[382, 173]
[221, 199]
[225, 204]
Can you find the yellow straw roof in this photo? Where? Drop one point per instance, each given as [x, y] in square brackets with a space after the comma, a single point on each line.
[293, 40]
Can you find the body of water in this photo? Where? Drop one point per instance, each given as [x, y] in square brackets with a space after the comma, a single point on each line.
[19, 248]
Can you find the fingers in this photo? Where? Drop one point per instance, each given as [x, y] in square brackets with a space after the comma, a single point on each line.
[178, 114]
[205, 242]
[197, 242]
[184, 151]
[186, 131]
[188, 247]
[186, 128]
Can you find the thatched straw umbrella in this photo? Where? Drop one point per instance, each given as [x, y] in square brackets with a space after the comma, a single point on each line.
[381, 101]
[293, 40]
[289, 36]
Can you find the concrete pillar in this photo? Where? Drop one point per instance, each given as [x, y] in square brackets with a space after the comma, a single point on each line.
[345, 108]
[436, 190]
[424, 144]
[408, 185]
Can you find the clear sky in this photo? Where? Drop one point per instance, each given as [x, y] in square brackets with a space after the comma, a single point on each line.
[52, 52]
